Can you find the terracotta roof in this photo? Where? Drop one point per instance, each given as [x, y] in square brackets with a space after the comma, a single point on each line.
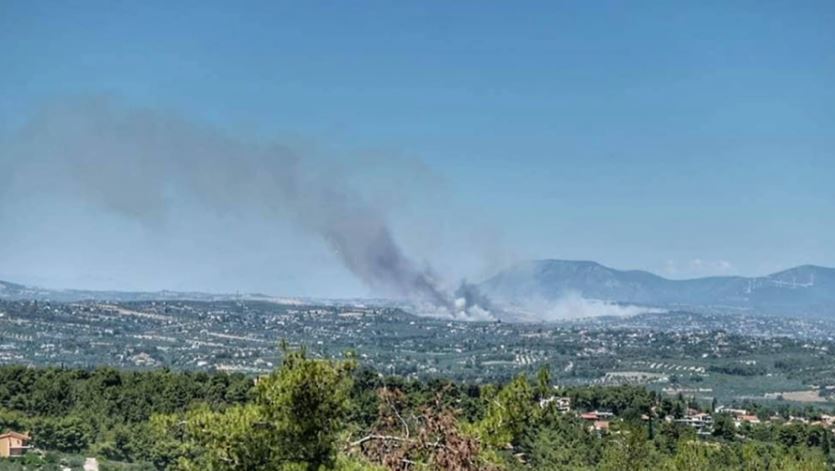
[601, 424]
[14, 435]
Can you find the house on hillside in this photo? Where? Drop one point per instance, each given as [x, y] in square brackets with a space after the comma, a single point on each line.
[563, 404]
[589, 416]
[746, 419]
[597, 415]
[13, 444]
[598, 420]
[701, 422]
[600, 426]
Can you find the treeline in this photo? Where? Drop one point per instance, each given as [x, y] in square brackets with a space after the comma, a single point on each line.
[318, 415]
[738, 369]
[73, 410]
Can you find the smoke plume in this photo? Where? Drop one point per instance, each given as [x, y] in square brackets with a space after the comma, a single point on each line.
[137, 162]
[572, 305]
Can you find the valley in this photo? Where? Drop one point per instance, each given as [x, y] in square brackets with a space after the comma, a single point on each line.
[732, 357]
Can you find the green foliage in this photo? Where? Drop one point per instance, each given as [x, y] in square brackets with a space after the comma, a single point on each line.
[234, 439]
[738, 369]
[304, 404]
[543, 382]
[562, 443]
[109, 395]
[723, 426]
[671, 434]
[616, 399]
[293, 424]
[13, 420]
[308, 414]
[68, 434]
[510, 412]
[344, 463]
[629, 450]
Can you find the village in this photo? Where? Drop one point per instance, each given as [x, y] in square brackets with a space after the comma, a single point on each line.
[676, 353]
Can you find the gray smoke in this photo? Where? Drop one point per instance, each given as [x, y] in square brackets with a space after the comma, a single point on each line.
[471, 303]
[137, 162]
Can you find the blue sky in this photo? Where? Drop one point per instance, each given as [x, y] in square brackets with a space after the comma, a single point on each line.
[684, 138]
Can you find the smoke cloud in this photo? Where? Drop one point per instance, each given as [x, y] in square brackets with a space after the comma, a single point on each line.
[138, 162]
[574, 306]
[571, 305]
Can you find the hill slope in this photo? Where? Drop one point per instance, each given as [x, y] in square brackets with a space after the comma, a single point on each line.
[16, 291]
[805, 290]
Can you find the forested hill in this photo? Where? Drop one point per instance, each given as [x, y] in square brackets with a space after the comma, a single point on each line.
[806, 290]
[321, 415]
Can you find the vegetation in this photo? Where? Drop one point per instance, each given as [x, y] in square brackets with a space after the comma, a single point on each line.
[709, 355]
[318, 415]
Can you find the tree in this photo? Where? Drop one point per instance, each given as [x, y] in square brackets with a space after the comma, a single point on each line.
[723, 426]
[69, 434]
[543, 382]
[562, 443]
[509, 413]
[628, 451]
[293, 423]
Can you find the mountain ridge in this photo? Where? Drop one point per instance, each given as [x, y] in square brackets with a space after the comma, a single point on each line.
[802, 291]
[807, 290]
[16, 291]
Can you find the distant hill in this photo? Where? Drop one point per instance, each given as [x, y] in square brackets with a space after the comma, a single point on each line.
[18, 292]
[806, 290]
[14, 291]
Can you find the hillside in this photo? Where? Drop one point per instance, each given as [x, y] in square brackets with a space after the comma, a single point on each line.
[804, 291]
[14, 291]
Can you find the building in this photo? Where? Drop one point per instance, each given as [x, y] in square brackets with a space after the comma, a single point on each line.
[563, 404]
[597, 415]
[734, 412]
[746, 419]
[13, 444]
[600, 426]
[699, 421]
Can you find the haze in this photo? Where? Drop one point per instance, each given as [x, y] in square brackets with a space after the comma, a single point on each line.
[198, 146]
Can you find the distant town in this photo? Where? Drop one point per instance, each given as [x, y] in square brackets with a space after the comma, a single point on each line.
[732, 358]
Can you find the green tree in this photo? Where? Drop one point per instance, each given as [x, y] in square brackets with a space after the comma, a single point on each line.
[68, 434]
[723, 426]
[543, 382]
[293, 423]
[628, 451]
[509, 413]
